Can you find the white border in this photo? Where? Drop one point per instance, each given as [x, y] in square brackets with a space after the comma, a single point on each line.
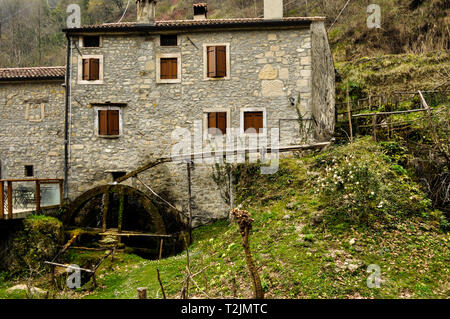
[107, 108]
[80, 69]
[205, 61]
[158, 67]
[253, 109]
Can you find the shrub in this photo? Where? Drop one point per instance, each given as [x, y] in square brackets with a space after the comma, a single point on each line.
[358, 185]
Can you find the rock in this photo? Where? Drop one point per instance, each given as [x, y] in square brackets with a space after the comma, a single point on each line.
[316, 220]
[290, 205]
[286, 217]
[352, 241]
[34, 290]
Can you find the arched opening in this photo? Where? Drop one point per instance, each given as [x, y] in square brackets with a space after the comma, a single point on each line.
[122, 216]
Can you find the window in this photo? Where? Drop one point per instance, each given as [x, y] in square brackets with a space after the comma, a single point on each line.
[216, 61]
[108, 122]
[116, 175]
[91, 69]
[254, 120]
[169, 40]
[29, 171]
[169, 68]
[91, 41]
[217, 121]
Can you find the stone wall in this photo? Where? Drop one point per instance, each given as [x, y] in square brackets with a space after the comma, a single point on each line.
[32, 129]
[268, 68]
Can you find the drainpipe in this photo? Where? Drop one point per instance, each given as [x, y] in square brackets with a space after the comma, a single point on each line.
[66, 121]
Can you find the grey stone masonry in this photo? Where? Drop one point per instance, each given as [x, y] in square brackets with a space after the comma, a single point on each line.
[32, 129]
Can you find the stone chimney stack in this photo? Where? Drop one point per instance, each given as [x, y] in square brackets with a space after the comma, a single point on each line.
[273, 9]
[200, 11]
[146, 11]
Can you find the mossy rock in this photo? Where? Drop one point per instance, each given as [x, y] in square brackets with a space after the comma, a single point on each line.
[36, 243]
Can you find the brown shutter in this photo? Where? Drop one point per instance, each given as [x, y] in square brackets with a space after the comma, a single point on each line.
[86, 69]
[254, 120]
[221, 58]
[94, 69]
[211, 56]
[258, 121]
[222, 122]
[164, 69]
[113, 122]
[212, 121]
[103, 122]
[173, 68]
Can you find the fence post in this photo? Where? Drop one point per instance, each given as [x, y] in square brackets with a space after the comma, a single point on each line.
[142, 293]
[349, 115]
[374, 127]
[38, 196]
[2, 200]
[10, 201]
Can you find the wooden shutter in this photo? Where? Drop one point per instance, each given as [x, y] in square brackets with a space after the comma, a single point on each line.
[222, 122]
[212, 121]
[254, 120]
[94, 69]
[102, 122]
[113, 122]
[211, 56]
[169, 68]
[86, 69]
[221, 61]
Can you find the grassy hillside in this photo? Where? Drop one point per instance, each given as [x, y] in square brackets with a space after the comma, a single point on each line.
[312, 237]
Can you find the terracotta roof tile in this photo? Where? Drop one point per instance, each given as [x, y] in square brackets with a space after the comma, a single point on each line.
[43, 73]
[193, 23]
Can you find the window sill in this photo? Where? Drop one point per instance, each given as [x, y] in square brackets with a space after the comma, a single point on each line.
[110, 137]
[217, 79]
[90, 82]
[168, 81]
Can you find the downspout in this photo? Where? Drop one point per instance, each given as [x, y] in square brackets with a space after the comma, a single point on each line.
[66, 121]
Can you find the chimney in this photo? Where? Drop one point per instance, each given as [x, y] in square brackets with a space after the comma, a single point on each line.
[200, 11]
[273, 9]
[146, 11]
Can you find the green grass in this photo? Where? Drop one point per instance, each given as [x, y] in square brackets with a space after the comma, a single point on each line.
[294, 258]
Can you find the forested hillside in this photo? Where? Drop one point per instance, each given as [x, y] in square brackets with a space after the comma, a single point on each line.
[30, 30]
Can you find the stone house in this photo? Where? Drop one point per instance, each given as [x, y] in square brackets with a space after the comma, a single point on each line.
[131, 84]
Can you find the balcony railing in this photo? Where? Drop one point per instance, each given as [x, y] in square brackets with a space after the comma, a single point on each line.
[20, 197]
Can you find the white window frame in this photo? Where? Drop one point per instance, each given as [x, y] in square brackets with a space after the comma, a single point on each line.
[159, 56]
[108, 108]
[80, 69]
[253, 109]
[205, 61]
[81, 41]
[227, 110]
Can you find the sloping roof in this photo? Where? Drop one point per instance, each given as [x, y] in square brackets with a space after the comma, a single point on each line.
[195, 24]
[33, 73]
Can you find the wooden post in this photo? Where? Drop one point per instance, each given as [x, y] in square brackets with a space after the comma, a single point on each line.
[188, 167]
[160, 248]
[38, 196]
[230, 185]
[61, 192]
[374, 128]
[370, 102]
[121, 210]
[10, 201]
[142, 293]
[349, 113]
[105, 209]
[2, 200]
